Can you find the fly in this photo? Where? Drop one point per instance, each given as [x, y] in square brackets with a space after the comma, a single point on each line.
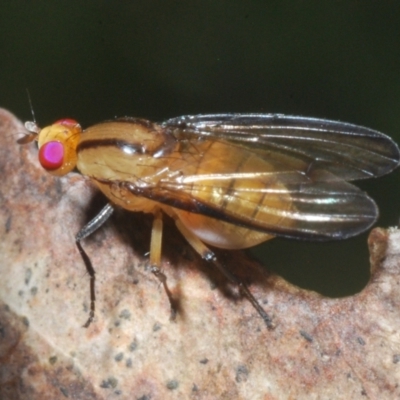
[229, 181]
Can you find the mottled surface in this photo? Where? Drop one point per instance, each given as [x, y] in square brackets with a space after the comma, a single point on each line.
[218, 347]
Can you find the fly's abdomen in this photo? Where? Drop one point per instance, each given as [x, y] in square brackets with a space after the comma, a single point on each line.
[237, 183]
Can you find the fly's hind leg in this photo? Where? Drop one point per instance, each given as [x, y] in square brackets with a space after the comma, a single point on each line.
[87, 230]
[209, 255]
[155, 259]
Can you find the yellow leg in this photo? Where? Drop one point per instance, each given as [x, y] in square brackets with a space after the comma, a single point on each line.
[156, 239]
[155, 258]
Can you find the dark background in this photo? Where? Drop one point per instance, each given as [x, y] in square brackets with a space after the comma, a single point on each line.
[94, 60]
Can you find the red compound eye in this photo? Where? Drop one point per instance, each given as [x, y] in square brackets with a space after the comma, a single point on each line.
[51, 155]
[66, 122]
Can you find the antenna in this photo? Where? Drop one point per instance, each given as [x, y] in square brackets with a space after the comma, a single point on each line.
[30, 126]
[31, 106]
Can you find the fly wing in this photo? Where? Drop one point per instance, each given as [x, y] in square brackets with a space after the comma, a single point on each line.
[306, 210]
[348, 151]
[281, 175]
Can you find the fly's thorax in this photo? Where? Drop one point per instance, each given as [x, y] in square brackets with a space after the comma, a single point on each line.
[123, 150]
[131, 136]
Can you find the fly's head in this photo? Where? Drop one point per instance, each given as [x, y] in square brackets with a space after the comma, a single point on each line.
[57, 144]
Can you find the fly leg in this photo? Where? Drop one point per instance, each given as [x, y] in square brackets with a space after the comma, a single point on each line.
[87, 230]
[208, 255]
[155, 259]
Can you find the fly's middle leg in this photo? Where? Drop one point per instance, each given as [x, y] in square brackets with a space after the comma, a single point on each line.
[155, 259]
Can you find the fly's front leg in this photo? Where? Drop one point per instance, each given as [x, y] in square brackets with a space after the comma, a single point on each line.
[87, 230]
[209, 255]
[155, 258]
